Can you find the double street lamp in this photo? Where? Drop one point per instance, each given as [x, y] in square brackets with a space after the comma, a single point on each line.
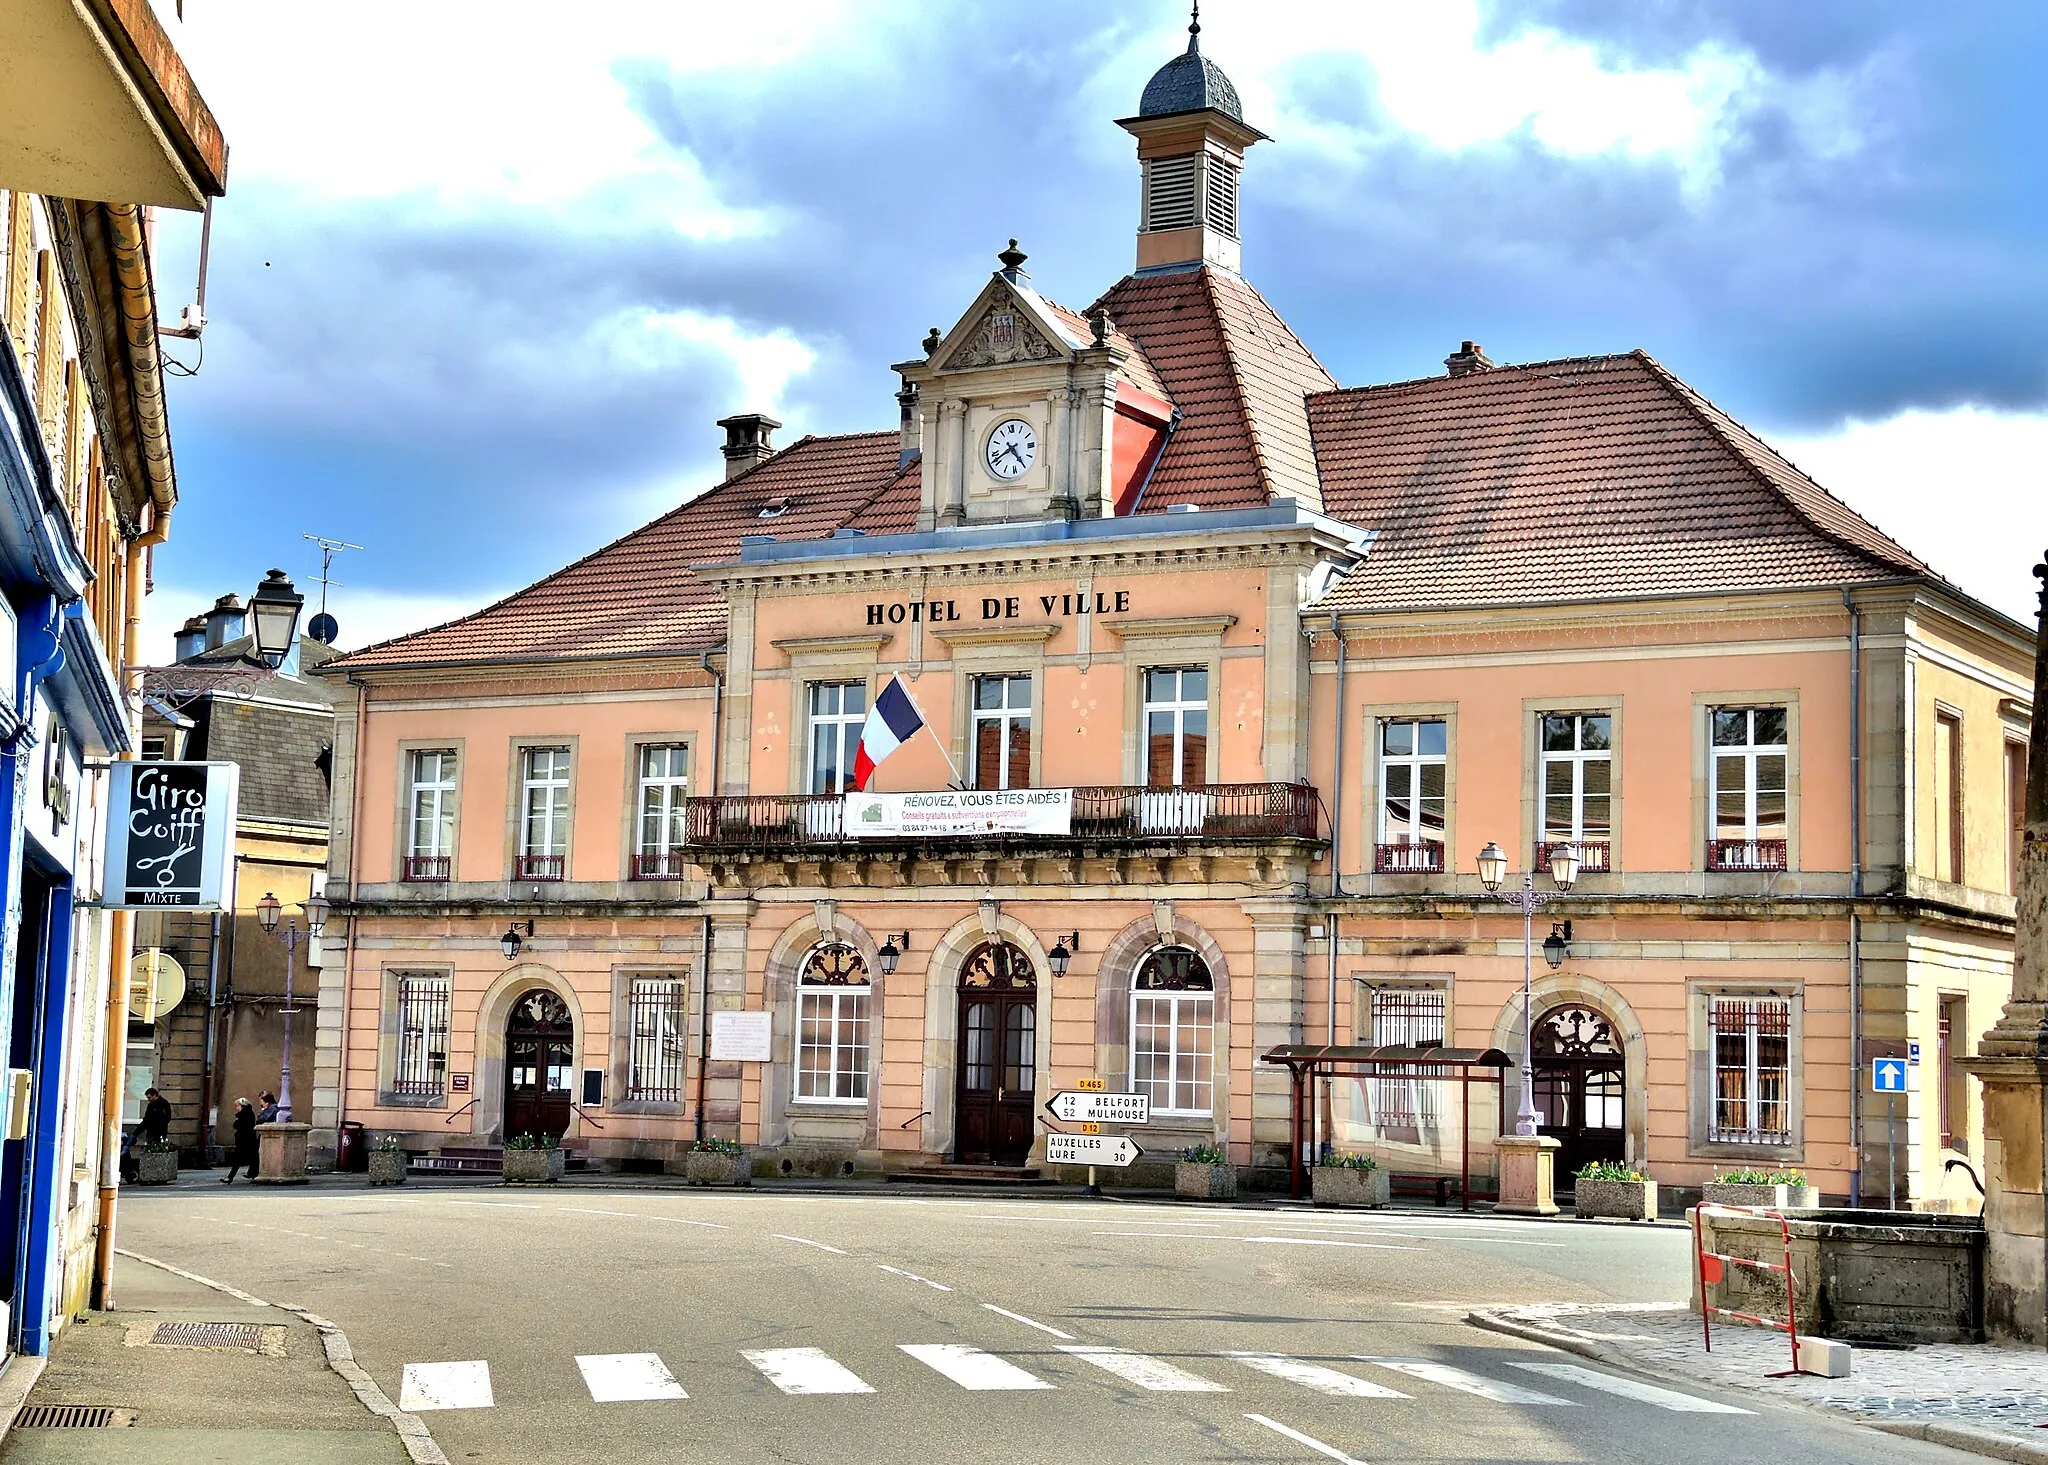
[268, 910]
[1564, 872]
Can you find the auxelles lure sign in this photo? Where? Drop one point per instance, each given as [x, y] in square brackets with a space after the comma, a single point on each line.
[171, 835]
[1069, 606]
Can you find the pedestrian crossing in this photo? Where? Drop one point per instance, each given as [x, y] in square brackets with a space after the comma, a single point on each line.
[616, 1378]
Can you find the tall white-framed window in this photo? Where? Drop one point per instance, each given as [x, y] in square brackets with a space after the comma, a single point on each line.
[430, 801]
[832, 1018]
[1577, 752]
[1752, 1046]
[1002, 731]
[544, 812]
[1413, 781]
[1176, 713]
[1173, 1020]
[658, 1009]
[421, 1067]
[663, 804]
[1405, 1017]
[834, 714]
[1751, 813]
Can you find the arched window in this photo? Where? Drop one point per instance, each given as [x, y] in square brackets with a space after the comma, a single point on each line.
[832, 1026]
[1173, 1011]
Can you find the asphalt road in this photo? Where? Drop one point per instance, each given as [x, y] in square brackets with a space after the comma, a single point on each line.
[831, 1328]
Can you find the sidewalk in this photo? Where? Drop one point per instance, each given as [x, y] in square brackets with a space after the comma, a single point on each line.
[1991, 1401]
[277, 1398]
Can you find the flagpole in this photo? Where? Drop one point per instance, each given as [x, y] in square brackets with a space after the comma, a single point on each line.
[926, 724]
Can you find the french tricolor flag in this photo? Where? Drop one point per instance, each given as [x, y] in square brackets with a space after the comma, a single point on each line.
[893, 721]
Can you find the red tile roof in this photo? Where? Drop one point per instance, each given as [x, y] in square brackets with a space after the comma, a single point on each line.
[1137, 371]
[1567, 480]
[640, 595]
[1238, 376]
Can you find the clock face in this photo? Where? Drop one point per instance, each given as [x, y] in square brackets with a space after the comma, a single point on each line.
[1012, 448]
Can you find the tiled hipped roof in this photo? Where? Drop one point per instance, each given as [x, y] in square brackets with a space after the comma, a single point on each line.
[639, 595]
[1583, 479]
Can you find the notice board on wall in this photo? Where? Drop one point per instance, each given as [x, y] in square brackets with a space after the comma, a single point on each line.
[745, 1037]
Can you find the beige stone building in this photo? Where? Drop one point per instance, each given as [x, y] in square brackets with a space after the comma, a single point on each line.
[1238, 671]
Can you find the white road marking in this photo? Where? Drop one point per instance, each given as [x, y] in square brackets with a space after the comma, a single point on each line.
[1018, 1317]
[971, 1368]
[912, 1276]
[800, 1241]
[1166, 1235]
[1146, 1372]
[1466, 1383]
[1301, 1439]
[1324, 1241]
[616, 1378]
[1315, 1376]
[427, 1386]
[501, 1205]
[643, 1216]
[805, 1371]
[1627, 1388]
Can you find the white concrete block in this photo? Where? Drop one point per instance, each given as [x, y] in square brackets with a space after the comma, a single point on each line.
[1823, 1356]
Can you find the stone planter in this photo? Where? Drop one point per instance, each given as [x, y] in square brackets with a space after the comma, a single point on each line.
[1340, 1185]
[156, 1167]
[1770, 1197]
[530, 1167]
[1205, 1181]
[708, 1167]
[1627, 1200]
[387, 1167]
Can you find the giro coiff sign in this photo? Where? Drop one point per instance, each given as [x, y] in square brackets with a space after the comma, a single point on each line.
[171, 835]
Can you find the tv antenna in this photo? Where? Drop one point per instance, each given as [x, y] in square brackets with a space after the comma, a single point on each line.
[323, 627]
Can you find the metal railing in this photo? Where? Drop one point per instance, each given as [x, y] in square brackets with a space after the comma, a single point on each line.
[1746, 854]
[541, 867]
[428, 867]
[1423, 857]
[1129, 815]
[1594, 856]
[666, 864]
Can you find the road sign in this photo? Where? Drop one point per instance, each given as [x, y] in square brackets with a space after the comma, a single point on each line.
[1076, 1108]
[1116, 1151]
[1888, 1075]
[1912, 1055]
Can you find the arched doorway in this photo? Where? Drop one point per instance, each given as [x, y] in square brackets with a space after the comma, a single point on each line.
[540, 1048]
[996, 1084]
[1581, 1081]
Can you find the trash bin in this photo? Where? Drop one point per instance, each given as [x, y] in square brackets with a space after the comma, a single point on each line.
[351, 1150]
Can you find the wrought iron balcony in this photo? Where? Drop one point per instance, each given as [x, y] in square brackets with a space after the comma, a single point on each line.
[427, 867]
[1418, 857]
[1746, 854]
[662, 864]
[540, 867]
[1594, 856]
[1217, 813]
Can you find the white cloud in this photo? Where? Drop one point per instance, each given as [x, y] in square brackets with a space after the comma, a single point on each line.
[1965, 488]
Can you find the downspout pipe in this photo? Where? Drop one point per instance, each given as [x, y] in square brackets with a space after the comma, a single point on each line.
[354, 863]
[1336, 820]
[1855, 894]
[704, 943]
[120, 934]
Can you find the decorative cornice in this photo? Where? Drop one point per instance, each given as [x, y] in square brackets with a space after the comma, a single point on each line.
[809, 648]
[1179, 628]
[994, 635]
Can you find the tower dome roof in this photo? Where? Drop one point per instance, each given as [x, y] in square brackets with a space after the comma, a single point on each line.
[1189, 83]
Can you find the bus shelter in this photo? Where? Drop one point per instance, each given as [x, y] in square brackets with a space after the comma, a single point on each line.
[1412, 1108]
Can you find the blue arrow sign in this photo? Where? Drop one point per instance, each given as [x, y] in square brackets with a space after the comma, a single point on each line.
[1888, 1075]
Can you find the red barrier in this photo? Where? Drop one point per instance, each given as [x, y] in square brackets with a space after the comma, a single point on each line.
[1713, 1267]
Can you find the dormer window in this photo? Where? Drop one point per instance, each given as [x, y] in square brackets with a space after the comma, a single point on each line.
[774, 508]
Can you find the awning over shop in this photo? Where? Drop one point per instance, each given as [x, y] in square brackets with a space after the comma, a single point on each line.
[96, 104]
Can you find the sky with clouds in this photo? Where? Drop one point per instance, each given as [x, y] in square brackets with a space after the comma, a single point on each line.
[487, 272]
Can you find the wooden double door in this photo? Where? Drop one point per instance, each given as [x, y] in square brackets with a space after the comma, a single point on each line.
[1581, 1084]
[540, 1065]
[995, 1090]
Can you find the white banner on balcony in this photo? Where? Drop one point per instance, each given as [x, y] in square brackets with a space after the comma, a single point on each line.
[960, 811]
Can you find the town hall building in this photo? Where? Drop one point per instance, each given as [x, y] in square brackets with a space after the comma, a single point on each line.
[1228, 675]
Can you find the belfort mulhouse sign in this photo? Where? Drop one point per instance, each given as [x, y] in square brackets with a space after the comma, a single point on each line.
[170, 834]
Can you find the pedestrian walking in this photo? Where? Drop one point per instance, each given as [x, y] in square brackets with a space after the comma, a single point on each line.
[244, 1153]
[156, 1118]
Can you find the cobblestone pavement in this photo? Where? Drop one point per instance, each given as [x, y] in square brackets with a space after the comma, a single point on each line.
[2000, 1390]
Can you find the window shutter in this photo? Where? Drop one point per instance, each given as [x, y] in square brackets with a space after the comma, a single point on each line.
[1171, 199]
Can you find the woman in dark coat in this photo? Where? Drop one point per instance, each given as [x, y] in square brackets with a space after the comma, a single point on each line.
[245, 1141]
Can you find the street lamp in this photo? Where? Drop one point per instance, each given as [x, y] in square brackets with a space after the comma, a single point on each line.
[268, 911]
[510, 943]
[1060, 955]
[1564, 871]
[891, 953]
[274, 609]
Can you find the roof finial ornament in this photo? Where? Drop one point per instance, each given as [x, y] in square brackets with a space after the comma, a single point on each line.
[1195, 28]
[1013, 260]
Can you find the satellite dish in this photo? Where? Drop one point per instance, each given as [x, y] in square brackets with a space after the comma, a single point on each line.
[323, 628]
[156, 984]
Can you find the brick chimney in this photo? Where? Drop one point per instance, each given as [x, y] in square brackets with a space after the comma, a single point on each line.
[224, 622]
[190, 639]
[1468, 358]
[746, 441]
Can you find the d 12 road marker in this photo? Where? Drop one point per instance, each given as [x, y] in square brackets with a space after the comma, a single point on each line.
[1115, 1151]
[1070, 1107]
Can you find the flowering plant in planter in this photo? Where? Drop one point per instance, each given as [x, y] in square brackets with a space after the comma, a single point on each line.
[1350, 1180]
[387, 1161]
[711, 1161]
[1345, 1161]
[531, 1142]
[1204, 1172]
[533, 1157]
[717, 1147]
[156, 1163]
[1779, 1189]
[1607, 1188]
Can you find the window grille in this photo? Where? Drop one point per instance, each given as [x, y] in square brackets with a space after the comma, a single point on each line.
[1221, 177]
[832, 1027]
[1173, 1015]
[658, 1011]
[1172, 197]
[1752, 1039]
[1405, 1017]
[422, 1070]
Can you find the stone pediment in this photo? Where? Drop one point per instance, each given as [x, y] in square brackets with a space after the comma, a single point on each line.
[1005, 329]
